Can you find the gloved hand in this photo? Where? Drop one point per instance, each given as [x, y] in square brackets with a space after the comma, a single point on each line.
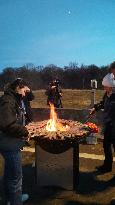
[92, 111]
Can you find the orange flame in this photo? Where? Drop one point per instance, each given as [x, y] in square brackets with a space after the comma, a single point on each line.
[53, 124]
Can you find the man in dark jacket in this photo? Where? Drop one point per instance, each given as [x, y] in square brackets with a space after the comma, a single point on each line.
[54, 94]
[108, 104]
[28, 110]
[13, 135]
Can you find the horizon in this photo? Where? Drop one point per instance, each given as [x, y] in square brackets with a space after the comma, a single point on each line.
[53, 65]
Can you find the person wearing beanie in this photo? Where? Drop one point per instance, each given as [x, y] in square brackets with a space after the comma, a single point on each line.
[108, 104]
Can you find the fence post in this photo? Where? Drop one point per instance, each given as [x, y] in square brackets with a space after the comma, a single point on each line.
[93, 92]
[93, 97]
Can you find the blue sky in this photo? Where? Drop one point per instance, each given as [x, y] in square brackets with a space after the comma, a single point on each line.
[57, 32]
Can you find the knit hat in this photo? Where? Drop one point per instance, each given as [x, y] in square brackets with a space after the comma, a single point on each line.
[108, 80]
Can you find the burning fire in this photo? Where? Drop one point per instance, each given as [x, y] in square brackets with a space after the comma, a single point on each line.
[53, 124]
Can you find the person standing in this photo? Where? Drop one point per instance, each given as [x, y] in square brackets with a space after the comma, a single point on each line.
[28, 110]
[54, 94]
[13, 135]
[108, 104]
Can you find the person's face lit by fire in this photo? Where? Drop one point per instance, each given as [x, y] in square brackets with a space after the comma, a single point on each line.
[22, 91]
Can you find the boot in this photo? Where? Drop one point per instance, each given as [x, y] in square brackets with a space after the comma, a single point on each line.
[104, 168]
[25, 197]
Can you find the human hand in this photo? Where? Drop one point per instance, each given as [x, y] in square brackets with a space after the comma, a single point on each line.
[27, 89]
[92, 111]
[30, 131]
[53, 86]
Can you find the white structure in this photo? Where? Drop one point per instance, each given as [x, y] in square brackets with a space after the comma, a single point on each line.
[93, 93]
[94, 84]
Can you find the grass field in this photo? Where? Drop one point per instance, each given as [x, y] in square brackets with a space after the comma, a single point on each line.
[71, 98]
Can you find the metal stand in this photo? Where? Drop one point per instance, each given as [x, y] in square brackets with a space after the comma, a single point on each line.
[75, 166]
[36, 163]
[72, 163]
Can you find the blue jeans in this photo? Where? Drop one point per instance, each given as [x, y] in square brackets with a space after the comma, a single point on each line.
[13, 176]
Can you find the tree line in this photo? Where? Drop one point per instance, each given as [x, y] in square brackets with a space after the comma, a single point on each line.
[71, 76]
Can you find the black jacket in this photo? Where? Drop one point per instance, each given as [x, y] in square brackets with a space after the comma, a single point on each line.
[10, 115]
[108, 104]
[54, 96]
[29, 115]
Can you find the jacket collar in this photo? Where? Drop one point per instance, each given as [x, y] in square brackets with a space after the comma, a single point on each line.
[12, 93]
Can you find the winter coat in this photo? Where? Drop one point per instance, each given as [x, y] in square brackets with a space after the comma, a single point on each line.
[108, 104]
[29, 115]
[12, 131]
[54, 96]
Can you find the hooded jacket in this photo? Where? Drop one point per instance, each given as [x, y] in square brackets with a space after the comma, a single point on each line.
[12, 131]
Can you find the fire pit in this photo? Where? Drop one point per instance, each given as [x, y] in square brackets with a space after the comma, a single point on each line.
[58, 141]
[57, 136]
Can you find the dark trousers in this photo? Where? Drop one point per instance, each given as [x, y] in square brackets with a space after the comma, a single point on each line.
[12, 177]
[107, 146]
